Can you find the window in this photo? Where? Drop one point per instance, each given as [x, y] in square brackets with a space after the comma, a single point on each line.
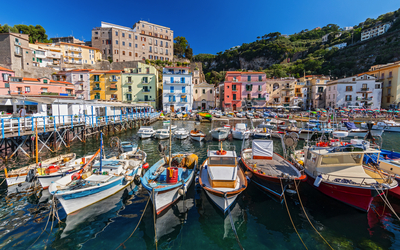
[348, 97]
[130, 53]
[210, 91]
[27, 89]
[116, 41]
[123, 34]
[196, 91]
[174, 99]
[182, 79]
[97, 96]
[390, 74]
[155, 42]
[130, 36]
[389, 83]
[96, 78]
[349, 88]
[44, 90]
[377, 86]
[166, 52]
[389, 91]
[123, 43]
[248, 96]
[383, 76]
[320, 89]
[135, 45]
[150, 49]
[171, 89]
[388, 99]
[233, 87]
[259, 87]
[116, 33]
[204, 91]
[234, 96]
[249, 87]
[135, 37]
[166, 44]
[183, 89]
[259, 96]
[333, 96]
[248, 78]
[160, 43]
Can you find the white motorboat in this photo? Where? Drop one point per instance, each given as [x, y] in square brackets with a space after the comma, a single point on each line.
[220, 133]
[181, 134]
[58, 164]
[128, 146]
[221, 177]
[261, 132]
[391, 126]
[241, 131]
[103, 179]
[357, 132]
[197, 135]
[167, 125]
[239, 115]
[146, 132]
[162, 134]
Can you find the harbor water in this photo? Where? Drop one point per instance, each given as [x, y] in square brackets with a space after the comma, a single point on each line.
[194, 222]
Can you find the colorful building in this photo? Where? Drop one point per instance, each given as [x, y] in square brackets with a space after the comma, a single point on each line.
[244, 90]
[39, 87]
[80, 78]
[141, 85]
[281, 92]
[5, 75]
[177, 89]
[105, 85]
[315, 90]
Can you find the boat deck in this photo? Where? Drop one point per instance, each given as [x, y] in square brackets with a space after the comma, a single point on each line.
[276, 167]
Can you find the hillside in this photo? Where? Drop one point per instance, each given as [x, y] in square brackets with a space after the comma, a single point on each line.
[280, 56]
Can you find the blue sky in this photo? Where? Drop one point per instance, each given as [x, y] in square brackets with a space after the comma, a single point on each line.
[209, 26]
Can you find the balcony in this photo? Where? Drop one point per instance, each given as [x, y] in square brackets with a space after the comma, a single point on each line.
[74, 49]
[113, 87]
[145, 82]
[176, 73]
[96, 88]
[364, 99]
[128, 82]
[259, 99]
[113, 80]
[6, 85]
[18, 53]
[146, 90]
[74, 56]
[96, 80]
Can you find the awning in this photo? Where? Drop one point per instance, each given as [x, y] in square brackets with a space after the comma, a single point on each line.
[183, 96]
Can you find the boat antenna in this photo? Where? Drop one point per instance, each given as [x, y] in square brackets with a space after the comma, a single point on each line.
[101, 151]
[170, 140]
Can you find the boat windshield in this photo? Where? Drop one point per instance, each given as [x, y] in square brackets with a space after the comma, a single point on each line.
[351, 159]
[222, 161]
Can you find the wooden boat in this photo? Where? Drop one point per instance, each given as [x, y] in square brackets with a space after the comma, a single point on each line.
[197, 135]
[205, 114]
[338, 172]
[268, 170]
[169, 182]
[51, 165]
[220, 133]
[241, 131]
[181, 134]
[95, 183]
[221, 177]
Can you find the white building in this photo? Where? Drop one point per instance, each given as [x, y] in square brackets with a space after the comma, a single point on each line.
[177, 89]
[339, 46]
[361, 91]
[348, 28]
[376, 30]
[325, 38]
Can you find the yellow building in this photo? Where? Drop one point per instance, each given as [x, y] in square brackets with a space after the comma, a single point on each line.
[105, 85]
[389, 76]
[313, 88]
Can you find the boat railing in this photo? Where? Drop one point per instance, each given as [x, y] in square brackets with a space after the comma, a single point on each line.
[340, 143]
[325, 176]
[225, 147]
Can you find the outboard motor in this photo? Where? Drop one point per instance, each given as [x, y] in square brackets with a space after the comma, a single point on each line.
[31, 176]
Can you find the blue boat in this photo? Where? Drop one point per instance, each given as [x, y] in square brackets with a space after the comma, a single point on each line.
[166, 184]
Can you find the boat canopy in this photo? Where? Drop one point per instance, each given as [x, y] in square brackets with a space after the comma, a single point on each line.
[263, 149]
[350, 125]
[241, 126]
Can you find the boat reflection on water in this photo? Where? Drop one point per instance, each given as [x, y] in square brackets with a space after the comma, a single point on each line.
[93, 219]
[217, 225]
[169, 223]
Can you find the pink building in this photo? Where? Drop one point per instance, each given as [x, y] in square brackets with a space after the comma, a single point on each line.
[80, 78]
[39, 87]
[254, 89]
[5, 75]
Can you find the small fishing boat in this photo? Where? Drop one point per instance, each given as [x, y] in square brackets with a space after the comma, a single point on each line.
[338, 172]
[390, 125]
[128, 146]
[51, 165]
[241, 131]
[97, 182]
[277, 134]
[221, 177]
[181, 134]
[239, 115]
[220, 133]
[205, 114]
[353, 131]
[146, 132]
[173, 127]
[268, 170]
[197, 135]
[161, 134]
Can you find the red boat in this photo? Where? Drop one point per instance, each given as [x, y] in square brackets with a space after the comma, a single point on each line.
[338, 172]
[268, 170]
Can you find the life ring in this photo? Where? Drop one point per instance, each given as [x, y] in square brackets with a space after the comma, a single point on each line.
[221, 152]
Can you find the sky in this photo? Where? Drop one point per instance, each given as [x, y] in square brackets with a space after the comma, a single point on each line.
[209, 26]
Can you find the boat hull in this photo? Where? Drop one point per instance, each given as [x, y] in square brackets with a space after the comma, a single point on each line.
[220, 201]
[197, 138]
[144, 136]
[161, 137]
[220, 135]
[181, 136]
[45, 181]
[261, 135]
[240, 135]
[16, 180]
[357, 197]
[84, 198]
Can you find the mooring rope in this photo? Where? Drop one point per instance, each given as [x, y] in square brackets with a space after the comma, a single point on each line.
[233, 224]
[301, 203]
[141, 217]
[386, 201]
[290, 217]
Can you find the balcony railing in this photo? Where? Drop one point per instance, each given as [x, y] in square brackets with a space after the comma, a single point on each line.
[113, 87]
[259, 99]
[96, 88]
[364, 89]
[146, 90]
[113, 80]
[145, 82]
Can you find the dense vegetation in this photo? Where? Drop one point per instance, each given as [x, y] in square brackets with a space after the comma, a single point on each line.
[182, 48]
[36, 33]
[304, 52]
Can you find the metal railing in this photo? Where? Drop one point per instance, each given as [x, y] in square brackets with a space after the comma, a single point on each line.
[27, 124]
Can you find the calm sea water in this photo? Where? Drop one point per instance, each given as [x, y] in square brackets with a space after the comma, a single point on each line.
[195, 223]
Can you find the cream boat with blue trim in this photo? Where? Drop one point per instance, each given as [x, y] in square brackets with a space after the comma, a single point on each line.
[117, 174]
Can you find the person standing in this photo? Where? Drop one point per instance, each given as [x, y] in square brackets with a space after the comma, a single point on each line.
[22, 113]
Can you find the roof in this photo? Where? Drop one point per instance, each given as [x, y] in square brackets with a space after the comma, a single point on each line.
[113, 71]
[82, 46]
[83, 70]
[30, 79]
[5, 69]
[64, 82]
[177, 67]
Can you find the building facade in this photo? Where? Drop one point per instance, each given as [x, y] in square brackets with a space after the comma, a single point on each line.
[67, 39]
[39, 87]
[5, 75]
[80, 78]
[374, 31]
[254, 90]
[144, 41]
[357, 91]
[105, 85]
[140, 85]
[314, 83]
[204, 96]
[389, 77]
[232, 91]
[281, 91]
[177, 89]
